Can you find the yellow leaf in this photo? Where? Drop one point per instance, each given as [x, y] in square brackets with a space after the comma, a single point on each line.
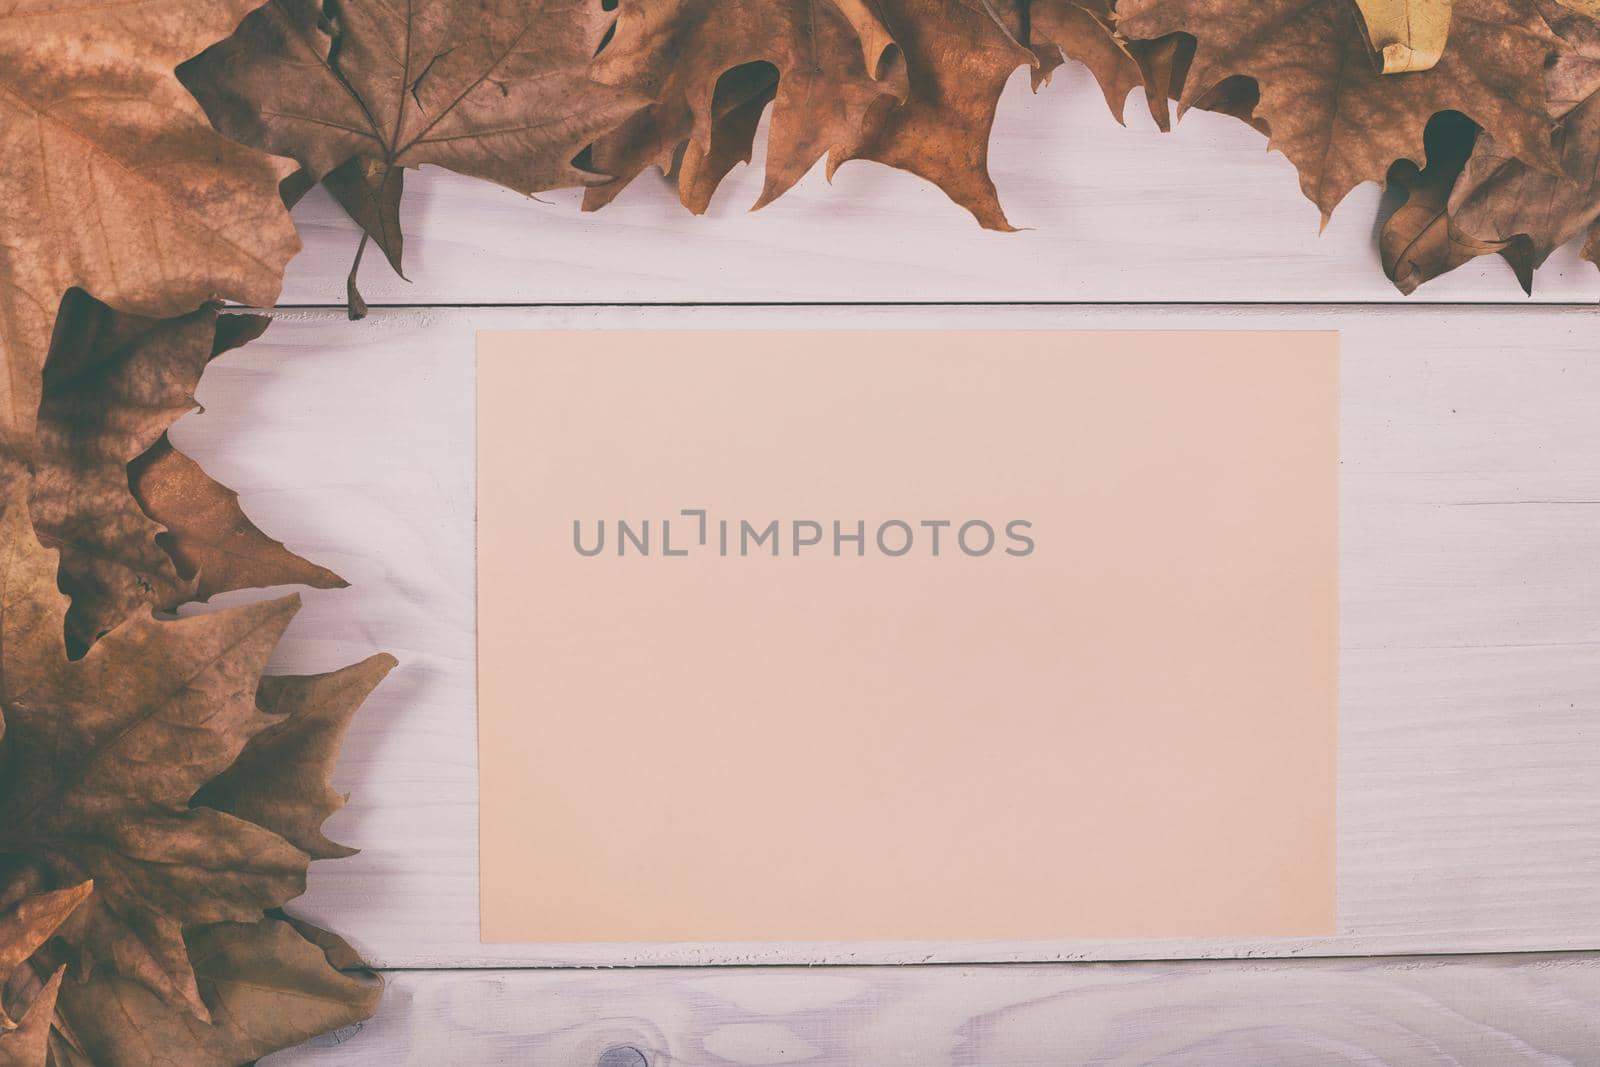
[1407, 35]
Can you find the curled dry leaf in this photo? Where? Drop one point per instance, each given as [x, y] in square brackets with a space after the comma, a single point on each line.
[829, 67]
[738, 102]
[113, 384]
[1406, 35]
[496, 89]
[1505, 205]
[105, 755]
[1417, 242]
[112, 181]
[1328, 107]
[1492, 202]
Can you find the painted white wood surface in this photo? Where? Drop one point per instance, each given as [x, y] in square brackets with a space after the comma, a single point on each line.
[1469, 804]
[1476, 1011]
[1111, 214]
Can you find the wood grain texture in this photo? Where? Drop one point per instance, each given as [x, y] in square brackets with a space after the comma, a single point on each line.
[1108, 214]
[1465, 1012]
[1469, 804]
[1469, 778]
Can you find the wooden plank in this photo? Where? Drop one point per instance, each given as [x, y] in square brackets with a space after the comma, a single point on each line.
[1471, 1011]
[1109, 214]
[1469, 779]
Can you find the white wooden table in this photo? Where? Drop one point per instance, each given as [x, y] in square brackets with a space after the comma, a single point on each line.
[1469, 777]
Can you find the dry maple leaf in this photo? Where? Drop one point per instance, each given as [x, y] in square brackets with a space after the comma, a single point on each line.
[1326, 104]
[29, 1044]
[280, 780]
[112, 181]
[24, 929]
[829, 67]
[113, 385]
[162, 764]
[268, 985]
[495, 89]
[207, 534]
[104, 754]
[1492, 202]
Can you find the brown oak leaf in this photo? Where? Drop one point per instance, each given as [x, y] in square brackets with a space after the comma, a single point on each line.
[1327, 105]
[267, 985]
[1417, 242]
[113, 385]
[1591, 244]
[959, 54]
[112, 181]
[1503, 205]
[737, 105]
[829, 67]
[105, 752]
[495, 89]
[1490, 201]
[1085, 31]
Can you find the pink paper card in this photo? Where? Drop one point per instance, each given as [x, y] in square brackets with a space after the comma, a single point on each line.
[793, 636]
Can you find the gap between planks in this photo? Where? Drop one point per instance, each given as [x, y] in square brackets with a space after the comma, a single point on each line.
[1376, 306]
[1552, 955]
